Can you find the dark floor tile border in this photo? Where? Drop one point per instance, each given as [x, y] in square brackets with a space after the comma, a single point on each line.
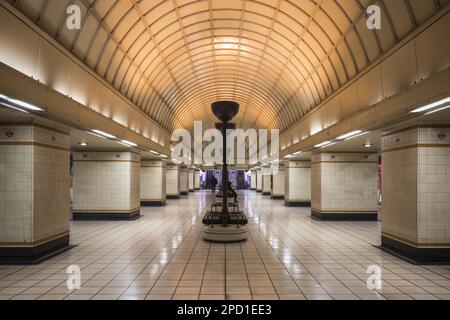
[423, 256]
[105, 216]
[340, 216]
[303, 204]
[259, 191]
[184, 193]
[277, 197]
[36, 254]
[266, 193]
[153, 203]
[172, 197]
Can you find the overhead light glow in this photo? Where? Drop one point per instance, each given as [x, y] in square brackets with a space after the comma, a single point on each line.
[13, 107]
[297, 153]
[154, 152]
[20, 103]
[358, 135]
[323, 144]
[350, 134]
[104, 134]
[440, 103]
[329, 145]
[83, 144]
[132, 144]
[368, 145]
[437, 110]
[289, 156]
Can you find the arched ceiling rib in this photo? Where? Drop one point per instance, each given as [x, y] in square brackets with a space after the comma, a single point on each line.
[278, 58]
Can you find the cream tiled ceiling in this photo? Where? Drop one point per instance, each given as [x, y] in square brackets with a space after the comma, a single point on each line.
[279, 59]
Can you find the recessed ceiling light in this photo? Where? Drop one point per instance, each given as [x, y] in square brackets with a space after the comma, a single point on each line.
[83, 144]
[25, 105]
[154, 152]
[20, 103]
[367, 145]
[437, 110]
[436, 104]
[10, 106]
[104, 134]
[297, 153]
[288, 156]
[320, 145]
[350, 134]
[329, 145]
[132, 144]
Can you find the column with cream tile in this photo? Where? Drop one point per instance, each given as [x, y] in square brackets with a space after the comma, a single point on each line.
[259, 180]
[344, 186]
[172, 181]
[184, 181]
[153, 183]
[415, 219]
[278, 183]
[34, 192]
[197, 185]
[253, 179]
[297, 191]
[191, 178]
[266, 180]
[106, 185]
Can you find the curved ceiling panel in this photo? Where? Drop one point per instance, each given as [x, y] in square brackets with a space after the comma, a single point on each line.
[279, 59]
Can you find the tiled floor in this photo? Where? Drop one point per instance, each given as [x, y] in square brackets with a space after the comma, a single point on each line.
[287, 256]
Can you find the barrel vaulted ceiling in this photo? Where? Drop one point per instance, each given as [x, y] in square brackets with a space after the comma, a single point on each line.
[279, 59]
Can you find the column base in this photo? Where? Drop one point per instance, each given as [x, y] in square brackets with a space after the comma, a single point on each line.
[153, 203]
[192, 190]
[184, 193]
[259, 191]
[266, 193]
[173, 197]
[106, 215]
[34, 255]
[198, 189]
[303, 204]
[277, 197]
[253, 189]
[414, 254]
[344, 216]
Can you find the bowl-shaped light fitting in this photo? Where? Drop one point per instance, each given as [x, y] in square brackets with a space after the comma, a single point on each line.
[225, 110]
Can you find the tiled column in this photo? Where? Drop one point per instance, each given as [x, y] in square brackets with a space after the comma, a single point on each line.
[259, 180]
[266, 178]
[253, 180]
[344, 186]
[106, 185]
[297, 192]
[197, 185]
[278, 184]
[184, 181]
[153, 183]
[191, 179]
[415, 212]
[34, 192]
[172, 181]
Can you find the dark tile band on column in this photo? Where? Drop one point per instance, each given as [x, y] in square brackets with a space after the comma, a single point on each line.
[34, 254]
[277, 197]
[304, 204]
[153, 203]
[105, 215]
[414, 254]
[344, 216]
